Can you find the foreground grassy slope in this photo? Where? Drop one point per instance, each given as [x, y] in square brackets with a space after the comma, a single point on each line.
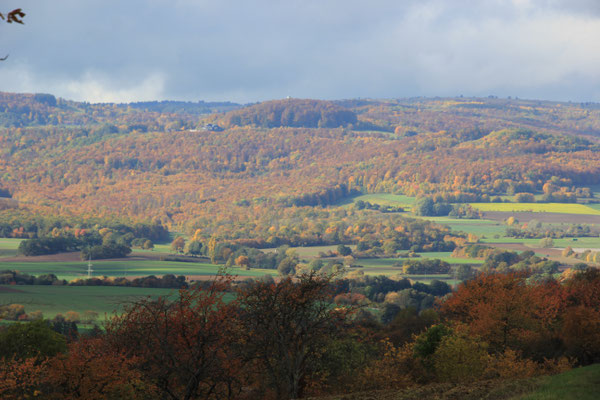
[577, 384]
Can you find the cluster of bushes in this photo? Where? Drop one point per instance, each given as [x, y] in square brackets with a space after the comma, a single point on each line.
[587, 255]
[428, 206]
[360, 205]
[52, 245]
[506, 261]
[284, 340]
[425, 267]
[102, 251]
[474, 250]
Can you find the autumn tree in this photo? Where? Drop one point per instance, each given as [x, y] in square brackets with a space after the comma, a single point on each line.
[506, 312]
[581, 322]
[242, 261]
[178, 244]
[194, 248]
[92, 370]
[32, 339]
[183, 345]
[286, 326]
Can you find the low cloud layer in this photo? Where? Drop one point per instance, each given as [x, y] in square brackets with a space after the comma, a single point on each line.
[114, 50]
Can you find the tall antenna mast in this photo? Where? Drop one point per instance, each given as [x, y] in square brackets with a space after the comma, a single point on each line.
[90, 270]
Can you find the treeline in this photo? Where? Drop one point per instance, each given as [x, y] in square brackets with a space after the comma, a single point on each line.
[284, 340]
[20, 223]
[168, 281]
[322, 198]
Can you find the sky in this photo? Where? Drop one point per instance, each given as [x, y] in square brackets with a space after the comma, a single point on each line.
[255, 50]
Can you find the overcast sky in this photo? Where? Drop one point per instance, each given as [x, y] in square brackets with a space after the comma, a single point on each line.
[253, 50]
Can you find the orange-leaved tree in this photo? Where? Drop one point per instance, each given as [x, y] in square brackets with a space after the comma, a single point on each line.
[92, 370]
[507, 312]
[581, 323]
[183, 345]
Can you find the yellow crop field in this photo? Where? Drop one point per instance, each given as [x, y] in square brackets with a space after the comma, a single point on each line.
[537, 207]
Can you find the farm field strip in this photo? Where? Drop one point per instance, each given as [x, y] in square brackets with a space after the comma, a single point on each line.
[8, 247]
[559, 208]
[72, 270]
[387, 199]
[52, 300]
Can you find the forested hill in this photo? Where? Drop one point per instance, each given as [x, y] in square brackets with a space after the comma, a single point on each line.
[67, 157]
[292, 113]
[26, 110]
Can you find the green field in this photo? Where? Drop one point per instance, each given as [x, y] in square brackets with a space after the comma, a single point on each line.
[538, 207]
[8, 247]
[479, 227]
[385, 199]
[52, 300]
[73, 270]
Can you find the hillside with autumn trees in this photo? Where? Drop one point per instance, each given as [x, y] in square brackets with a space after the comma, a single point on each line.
[143, 162]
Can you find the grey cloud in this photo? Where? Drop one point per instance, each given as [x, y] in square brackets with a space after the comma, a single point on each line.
[254, 50]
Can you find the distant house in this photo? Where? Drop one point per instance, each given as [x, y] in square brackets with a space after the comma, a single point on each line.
[212, 128]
